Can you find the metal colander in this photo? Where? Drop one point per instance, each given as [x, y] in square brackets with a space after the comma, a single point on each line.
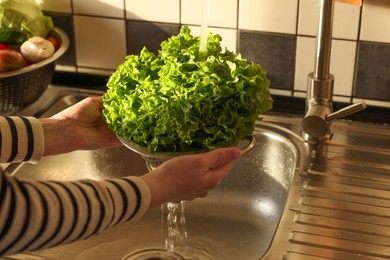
[19, 88]
[154, 159]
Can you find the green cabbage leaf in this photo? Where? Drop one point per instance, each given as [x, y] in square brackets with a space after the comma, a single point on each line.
[25, 15]
[174, 101]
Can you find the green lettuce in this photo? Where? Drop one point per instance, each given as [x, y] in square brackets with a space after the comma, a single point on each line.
[175, 101]
[25, 15]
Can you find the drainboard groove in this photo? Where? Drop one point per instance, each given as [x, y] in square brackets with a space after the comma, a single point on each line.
[345, 234]
[344, 197]
[352, 156]
[338, 216]
[346, 225]
[336, 244]
[346, 216]
[342, 188]
[364, 211]
[378, 173]
[307, 252]
[301, 256]
[329, 178]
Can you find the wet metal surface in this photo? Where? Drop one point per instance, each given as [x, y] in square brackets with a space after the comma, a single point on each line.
[236, 221]
[339, 206]
[287, 199]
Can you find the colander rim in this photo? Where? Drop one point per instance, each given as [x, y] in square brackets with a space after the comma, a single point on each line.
[64, 44]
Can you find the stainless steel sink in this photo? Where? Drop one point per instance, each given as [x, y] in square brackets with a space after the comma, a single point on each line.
[238, 220]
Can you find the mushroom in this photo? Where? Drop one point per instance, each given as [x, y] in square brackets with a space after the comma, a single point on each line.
[36, 49]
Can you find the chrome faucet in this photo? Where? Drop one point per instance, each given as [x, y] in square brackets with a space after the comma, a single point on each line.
[319, 111]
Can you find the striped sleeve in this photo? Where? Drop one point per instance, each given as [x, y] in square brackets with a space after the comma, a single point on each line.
[37, 215]
[21, 139]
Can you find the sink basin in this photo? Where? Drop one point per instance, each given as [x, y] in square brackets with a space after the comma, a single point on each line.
[238, 220]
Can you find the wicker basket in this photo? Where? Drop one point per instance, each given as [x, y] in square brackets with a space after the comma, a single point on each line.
[19, 88]
[154, 159]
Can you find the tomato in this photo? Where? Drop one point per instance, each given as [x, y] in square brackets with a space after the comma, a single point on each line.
[11, 60]
[4, 47]
[53, 41]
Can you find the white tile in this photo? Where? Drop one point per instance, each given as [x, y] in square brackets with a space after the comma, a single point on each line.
[346, 21]
[229, 36]
[167, 11]
[280, 92]
[308, 17]
[299, 94]
[62, 6]
[220, 10]
[100, 42]
[342, 99]
[342, 66]
[376, 21]
[110, 8]
[60, 67]
[370, 102]
[304, 61]
[268, 15]
[100, 72]
[345, 24]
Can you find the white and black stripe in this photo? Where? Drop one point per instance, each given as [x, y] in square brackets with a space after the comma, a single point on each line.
[36, 215]
[21, 139]
[42, 214]
[30, 139]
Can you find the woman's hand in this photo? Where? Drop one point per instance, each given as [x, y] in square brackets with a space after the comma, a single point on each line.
[80, 126]
[191, 176]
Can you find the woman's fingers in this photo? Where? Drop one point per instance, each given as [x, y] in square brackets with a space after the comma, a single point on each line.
[220, 157]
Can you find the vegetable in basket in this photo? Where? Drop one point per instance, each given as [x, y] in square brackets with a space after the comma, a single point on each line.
[175, 101]
[24, 28]
[25, 16]
[11, 60]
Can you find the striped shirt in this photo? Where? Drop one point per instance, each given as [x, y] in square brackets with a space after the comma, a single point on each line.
[42, 214]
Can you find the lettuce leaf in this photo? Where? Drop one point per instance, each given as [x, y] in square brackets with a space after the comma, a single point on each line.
[25, 15]
[174, 101]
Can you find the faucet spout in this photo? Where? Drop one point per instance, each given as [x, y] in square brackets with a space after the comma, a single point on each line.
[324, 40]
[319, 111]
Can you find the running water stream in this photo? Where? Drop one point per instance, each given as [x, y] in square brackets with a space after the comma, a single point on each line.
[175, 227]
[204, 29]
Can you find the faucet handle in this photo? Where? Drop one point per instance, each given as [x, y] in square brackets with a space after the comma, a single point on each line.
[316, 124]
[346, 111]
